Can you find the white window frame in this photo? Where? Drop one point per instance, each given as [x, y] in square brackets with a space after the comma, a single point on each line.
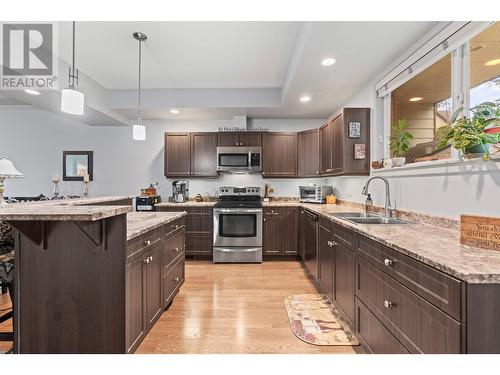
[456, 42]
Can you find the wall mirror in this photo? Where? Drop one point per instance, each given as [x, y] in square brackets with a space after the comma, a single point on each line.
[76, 164]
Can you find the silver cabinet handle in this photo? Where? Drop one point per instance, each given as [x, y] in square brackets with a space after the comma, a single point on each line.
[334, 243]
[147, 242]
[146, 261]
[329, 243]
[151, 258]
[388, 262]
[175, 249]
[317, 172]
[388, 304]
[176, 279]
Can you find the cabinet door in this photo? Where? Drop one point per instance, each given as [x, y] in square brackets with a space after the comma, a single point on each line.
[204, 154]
[338, 145]
[311, 244]
[227, 139]
[177, 154]
[326, 259]
[308, 153]
[153, 284]
[273, 236]
[302, 234]
[356, 166]
[249, 139]
[279, 154]
[134, 301]
[290, 230]
[326, 141]
[344, 280]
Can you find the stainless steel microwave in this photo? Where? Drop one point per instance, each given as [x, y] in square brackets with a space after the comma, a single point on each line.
[314, 193]
[239, 159]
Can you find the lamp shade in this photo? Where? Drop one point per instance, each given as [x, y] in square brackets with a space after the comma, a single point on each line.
[7, 169]
[139, 132]
[72, 101]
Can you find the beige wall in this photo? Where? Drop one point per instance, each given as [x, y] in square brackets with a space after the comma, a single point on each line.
[420, 117]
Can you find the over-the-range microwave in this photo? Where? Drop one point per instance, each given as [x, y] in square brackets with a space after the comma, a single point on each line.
[239, 159]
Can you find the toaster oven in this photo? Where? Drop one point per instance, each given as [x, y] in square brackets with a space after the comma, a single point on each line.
[314, 193]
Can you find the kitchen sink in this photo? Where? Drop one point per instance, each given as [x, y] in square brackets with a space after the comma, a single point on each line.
[363, 218]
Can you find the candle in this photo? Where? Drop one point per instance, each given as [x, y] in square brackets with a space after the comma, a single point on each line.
[55, 178]
[86, 177]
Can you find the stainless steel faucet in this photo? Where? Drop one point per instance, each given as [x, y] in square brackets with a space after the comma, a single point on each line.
[388, 209]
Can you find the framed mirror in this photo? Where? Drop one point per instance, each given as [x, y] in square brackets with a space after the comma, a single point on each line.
[77, 164]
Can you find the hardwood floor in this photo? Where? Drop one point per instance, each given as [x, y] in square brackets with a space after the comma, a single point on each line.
[234, 308]
[6, 326]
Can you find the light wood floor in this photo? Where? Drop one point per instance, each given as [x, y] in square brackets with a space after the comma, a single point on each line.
[6, 326]
[234, 308]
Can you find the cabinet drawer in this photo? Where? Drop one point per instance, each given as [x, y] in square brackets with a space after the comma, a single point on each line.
[173, 249]
[139, 245]
[419, 325]
[374, 334]
[199, 244]
[175, 226]
[344, 236]
[172, 281]
[435, 286]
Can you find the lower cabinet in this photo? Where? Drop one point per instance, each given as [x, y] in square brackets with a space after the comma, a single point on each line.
[326, 258]
[280, 231]
[154, 274]
[309, 242]
[344, 280]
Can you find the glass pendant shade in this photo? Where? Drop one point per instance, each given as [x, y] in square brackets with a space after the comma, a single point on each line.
[139, 132]
[72, 101]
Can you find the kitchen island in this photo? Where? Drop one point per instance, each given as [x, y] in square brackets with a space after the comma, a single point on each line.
[77, 272]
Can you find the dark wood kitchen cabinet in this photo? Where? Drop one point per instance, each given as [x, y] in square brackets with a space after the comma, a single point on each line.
[239, 139]
[337, 147]
[344, 281]
[326, 258]
[279, 154]
[280, 231]
[136, 317]
[308, 153]
[190, 154]
[309, 242]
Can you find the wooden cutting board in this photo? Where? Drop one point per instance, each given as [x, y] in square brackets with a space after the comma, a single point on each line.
[480, 231]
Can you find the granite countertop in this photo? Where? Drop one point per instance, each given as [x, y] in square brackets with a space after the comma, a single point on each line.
[64, 209]
[54, 212]
[142, 222]
[186, 204]
[437, 247]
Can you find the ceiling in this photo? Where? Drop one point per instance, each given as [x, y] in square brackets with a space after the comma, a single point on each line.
[222, 69]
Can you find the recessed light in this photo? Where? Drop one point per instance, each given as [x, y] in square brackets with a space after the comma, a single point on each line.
[327, 62]
[416, 99]
[305, 99]
[32, 92]
[174, 111]
[492, 62]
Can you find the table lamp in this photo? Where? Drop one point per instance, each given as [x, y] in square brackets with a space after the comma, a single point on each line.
[7, 170]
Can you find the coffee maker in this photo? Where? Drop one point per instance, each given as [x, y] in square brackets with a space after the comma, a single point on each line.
[179, 191]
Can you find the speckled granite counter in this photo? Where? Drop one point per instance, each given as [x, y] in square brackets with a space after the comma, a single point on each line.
[54, 212]
[186, 204]
[142, 222]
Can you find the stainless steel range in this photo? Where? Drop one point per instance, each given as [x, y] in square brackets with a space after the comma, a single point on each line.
[238, 226]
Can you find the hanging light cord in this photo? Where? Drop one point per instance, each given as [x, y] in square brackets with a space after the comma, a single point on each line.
[73, 73]
[139, 115]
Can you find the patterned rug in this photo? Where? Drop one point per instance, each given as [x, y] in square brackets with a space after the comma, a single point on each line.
[314, 320]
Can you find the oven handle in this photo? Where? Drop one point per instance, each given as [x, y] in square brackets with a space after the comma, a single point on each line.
[238, 210]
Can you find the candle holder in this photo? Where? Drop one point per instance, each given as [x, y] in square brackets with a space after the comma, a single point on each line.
[55, 180]
[85, 189]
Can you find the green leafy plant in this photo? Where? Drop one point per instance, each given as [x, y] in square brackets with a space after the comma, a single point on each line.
[482, 128]
[400, 140]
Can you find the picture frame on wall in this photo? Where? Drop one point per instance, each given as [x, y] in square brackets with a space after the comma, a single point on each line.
[354, 129]
[359, 151]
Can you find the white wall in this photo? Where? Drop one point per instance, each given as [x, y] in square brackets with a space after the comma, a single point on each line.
[34, 141]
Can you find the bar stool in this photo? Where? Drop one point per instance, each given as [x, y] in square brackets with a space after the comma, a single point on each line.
[7, 274]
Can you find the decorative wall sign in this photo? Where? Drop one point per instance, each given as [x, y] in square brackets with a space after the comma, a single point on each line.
[224, 129]
[480, 231]
[354, 130]
[359, 151]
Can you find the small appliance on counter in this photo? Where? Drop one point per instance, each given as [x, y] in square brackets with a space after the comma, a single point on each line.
[180, 191]
[314, 193]
[147, 202]
[150, 190]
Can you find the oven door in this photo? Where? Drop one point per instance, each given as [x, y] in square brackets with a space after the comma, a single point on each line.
[238, 227]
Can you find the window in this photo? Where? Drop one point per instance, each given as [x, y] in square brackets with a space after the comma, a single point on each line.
[424, 103]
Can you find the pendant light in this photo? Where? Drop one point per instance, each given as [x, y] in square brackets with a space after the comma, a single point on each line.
[72, 100]
[139, 130]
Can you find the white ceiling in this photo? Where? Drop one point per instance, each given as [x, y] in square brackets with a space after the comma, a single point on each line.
[222, 69]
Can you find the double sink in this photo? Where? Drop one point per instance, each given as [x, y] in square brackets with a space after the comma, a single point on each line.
[364, 218]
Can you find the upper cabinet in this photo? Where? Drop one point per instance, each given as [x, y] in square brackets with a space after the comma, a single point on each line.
[190, 155]
[308, 154]
[239, 139]
[279, 154]
[345, 143]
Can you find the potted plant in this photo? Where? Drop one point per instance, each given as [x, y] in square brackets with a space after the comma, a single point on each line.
[400, 142]
[475, 134]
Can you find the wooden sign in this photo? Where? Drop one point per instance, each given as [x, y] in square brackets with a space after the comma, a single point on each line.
[480, 231]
